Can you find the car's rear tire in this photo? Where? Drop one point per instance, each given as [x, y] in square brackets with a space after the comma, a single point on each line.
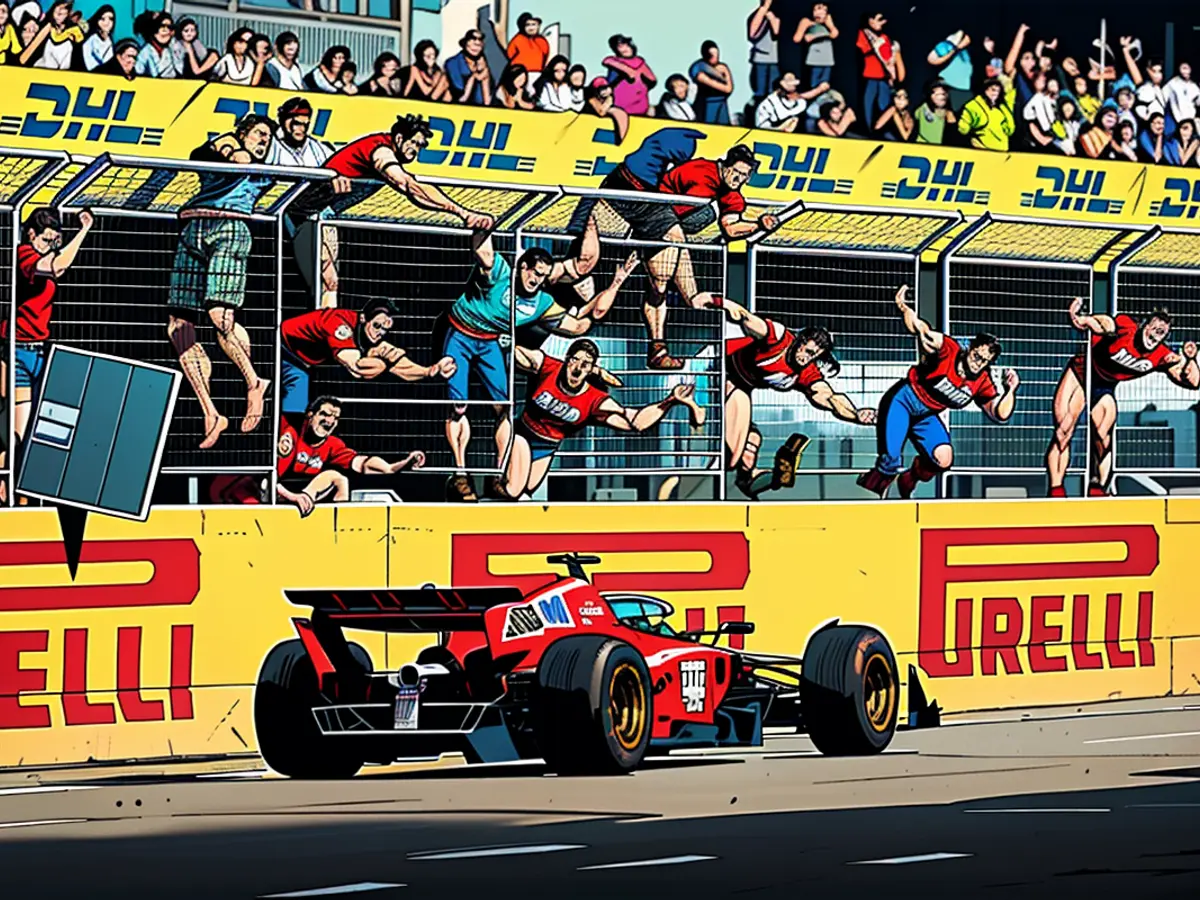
[289, 738]
[849, 691]
[594, 706]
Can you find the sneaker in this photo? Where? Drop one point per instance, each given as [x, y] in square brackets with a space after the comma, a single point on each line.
[1060, 491]
[658, 357]
[496, 489]
[1094, 490]
[461, 489]
[787, 460]
[905, 485]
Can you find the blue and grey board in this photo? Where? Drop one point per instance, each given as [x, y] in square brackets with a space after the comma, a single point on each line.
[97, 436]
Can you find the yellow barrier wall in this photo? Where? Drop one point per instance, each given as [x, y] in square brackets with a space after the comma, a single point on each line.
[88, 114]
[152, 651]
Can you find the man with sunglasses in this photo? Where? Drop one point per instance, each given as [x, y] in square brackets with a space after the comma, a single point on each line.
[42, 259]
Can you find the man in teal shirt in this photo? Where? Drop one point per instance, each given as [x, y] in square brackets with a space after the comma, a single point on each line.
[495, 302]
[953, 62]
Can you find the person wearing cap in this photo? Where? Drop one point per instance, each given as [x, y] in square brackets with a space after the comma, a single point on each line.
[468, 71]
[529, 48]
[293, 145]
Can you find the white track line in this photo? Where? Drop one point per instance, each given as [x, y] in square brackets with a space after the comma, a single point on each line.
[1163, 806]
[1144, 737]
[338, 889]
[902, 860]
[481, 852]
[1036, 809]
[46, 789]
[664, 861]
[40, 822]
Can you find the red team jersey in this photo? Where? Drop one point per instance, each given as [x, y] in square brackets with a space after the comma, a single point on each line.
[316, 337]
[354, 160]
[35, 298]
[938, 385]
[553, 414]
[306, 460]
[701, 178]
[1117, 357]
[752, 363]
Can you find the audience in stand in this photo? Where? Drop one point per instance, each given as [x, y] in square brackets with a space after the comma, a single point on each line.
[1036, 97]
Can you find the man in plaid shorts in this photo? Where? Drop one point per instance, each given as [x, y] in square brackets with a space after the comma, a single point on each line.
[209, 275]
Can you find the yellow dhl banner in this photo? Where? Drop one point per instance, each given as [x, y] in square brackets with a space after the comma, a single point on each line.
[87, 115]
[154, 649]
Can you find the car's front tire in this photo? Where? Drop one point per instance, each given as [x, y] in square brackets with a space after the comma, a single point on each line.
[289, 738]
[849, 691]
[594, 706]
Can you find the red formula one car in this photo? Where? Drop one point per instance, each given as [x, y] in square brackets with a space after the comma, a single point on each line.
[589, 682]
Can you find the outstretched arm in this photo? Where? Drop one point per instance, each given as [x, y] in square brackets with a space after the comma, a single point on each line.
[931, 341]
[1014, 52]
[620, 419]
[735, 226]
[1185, 371]
[752, 326]
[530, 360]
[56, 264]
[1000, 409]
[1096, 324]
[376, 465]
[822, 396]
[597, 307]
[426, 196]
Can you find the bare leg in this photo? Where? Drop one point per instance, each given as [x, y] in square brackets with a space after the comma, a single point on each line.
[1104, 416]
[1069, 403]
[504, 434]
[197, 368]
[235, 342]
[516, 476]
[737, 423]
[458, 435]
[329, 261]
[22, 410]
[537, 473]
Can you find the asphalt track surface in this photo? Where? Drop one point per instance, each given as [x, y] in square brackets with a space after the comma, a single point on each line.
[1082, 802]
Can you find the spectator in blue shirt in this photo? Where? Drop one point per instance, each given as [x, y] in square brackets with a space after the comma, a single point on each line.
[470, 78]
[955, 69]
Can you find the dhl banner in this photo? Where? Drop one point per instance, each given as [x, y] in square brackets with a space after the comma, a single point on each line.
[86, 114]
[153, 650]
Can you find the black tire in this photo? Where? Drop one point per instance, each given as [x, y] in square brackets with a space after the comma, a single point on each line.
[594, 707]
[289, 738]
[849, 691]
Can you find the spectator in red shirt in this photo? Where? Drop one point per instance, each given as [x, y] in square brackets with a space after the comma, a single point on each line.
[303, 454]
[882, 67]
[41, 261]
[529, 48]
[353, 339]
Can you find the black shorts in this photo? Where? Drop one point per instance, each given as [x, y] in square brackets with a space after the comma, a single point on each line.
[647, 221]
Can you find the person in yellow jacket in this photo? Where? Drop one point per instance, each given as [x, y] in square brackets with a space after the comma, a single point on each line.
[988, 119]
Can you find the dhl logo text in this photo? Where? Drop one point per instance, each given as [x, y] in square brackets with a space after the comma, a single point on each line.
[1028, 621]
[175, 582]
[1072, 190]
[941, 182]
[88, 115]
[1182, 200]
[236, 109]
[475, 145]
[797, 169]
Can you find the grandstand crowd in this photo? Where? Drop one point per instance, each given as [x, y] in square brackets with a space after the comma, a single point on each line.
[1001, 94]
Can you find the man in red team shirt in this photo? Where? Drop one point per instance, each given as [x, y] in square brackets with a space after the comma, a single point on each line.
[664, 164]
[772, 357]
[372, 159]
[949, 376]
[565, 396]
[41, 261]
[353, 339]
[304, 452]
[1123, 349]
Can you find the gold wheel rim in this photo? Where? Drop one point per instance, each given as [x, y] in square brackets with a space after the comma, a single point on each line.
[627, 706]
[879, 695]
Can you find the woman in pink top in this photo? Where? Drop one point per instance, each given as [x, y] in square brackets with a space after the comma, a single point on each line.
[630, 75]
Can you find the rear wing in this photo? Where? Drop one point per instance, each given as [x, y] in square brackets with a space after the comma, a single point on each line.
[427, 609]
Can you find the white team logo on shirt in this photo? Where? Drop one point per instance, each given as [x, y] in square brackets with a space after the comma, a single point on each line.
[560, 409]
[1124, 358]
[343, 333]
